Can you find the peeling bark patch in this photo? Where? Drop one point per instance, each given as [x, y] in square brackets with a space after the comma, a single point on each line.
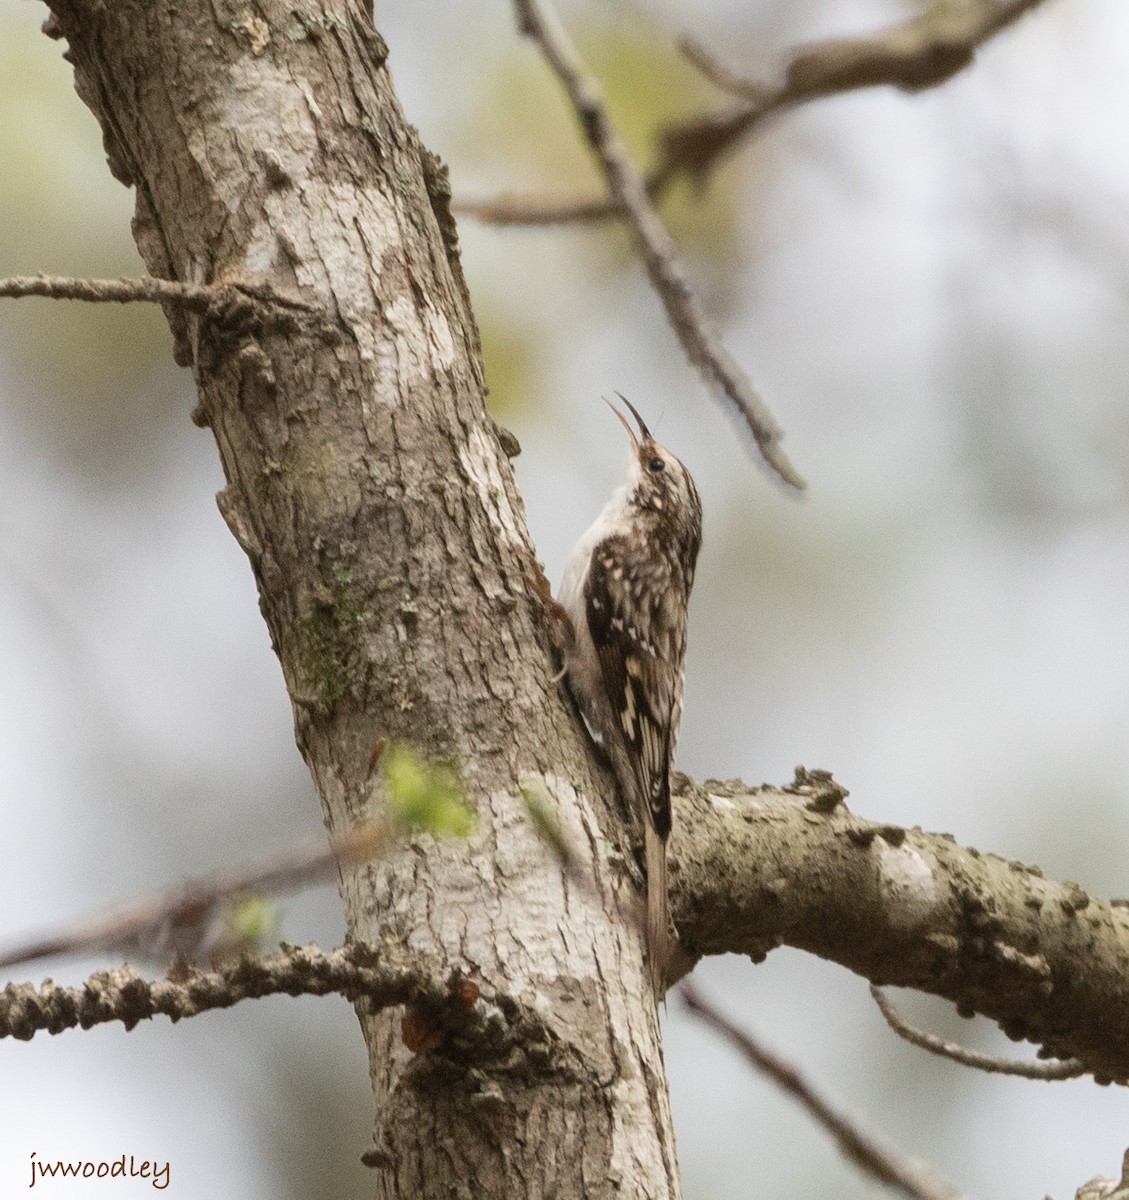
[480, 462]
[258, 33]
[906, 885]
[260, 97]
[424, 346]
[442, 343]
[355, 248]
[262, 249]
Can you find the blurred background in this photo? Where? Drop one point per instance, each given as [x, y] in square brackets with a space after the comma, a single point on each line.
[931, 293]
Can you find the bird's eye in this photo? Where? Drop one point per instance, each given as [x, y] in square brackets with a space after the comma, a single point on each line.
[656, 465]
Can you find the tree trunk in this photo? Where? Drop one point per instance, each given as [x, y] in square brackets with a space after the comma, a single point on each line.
[369, 488]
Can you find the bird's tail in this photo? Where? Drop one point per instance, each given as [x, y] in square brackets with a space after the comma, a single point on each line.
[658, 918]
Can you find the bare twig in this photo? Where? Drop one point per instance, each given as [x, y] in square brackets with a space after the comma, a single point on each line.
[913, 55]
[919, 53]
[180, 921]
[229, 302]
[124, 995]
[667, 274]
[1069, 1068]
[877, 1161]
[508, 209]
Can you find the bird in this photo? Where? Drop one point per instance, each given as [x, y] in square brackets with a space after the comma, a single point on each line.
[626, 590]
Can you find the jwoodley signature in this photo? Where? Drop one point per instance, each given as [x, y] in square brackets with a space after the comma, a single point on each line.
[116, 1169]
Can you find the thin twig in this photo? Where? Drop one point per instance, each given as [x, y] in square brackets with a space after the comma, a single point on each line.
[125, 995]
[667, 274]
[180, 921]
[1067, 1068]
[194, 297]
[227, 302]
[877, 1161]
[518, 209]
[912, 55]
[919, 53]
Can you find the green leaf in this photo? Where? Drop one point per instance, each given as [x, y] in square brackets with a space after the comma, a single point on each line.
[252, 922]
[425, 796]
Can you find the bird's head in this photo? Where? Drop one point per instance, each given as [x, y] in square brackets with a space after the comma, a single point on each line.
[658, 484]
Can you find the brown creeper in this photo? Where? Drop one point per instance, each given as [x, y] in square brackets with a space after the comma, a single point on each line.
[626, 589]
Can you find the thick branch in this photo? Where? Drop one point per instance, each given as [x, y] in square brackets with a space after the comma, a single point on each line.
[755, 869]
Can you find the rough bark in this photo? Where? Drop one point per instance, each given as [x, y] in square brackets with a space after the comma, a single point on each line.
[369, 488]
[759, 868]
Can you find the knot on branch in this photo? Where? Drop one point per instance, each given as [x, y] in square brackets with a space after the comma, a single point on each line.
[824, 794]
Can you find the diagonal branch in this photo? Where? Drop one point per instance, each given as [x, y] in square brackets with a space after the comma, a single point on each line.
[922, 52]
[660, 255]
[180, 921]
[877, 1161]
[916, 54]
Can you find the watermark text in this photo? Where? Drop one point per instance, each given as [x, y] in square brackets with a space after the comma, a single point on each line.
[126, 1167]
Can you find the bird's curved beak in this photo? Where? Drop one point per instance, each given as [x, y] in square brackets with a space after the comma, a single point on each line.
[646, 433]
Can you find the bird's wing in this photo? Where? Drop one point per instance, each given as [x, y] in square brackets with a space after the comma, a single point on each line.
[640, 651]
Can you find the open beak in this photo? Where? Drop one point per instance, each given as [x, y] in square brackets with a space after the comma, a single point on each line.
[623, 420]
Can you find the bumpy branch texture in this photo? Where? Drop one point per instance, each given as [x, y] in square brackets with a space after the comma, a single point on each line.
[757, 869]
[370, 491]
[125, 995]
